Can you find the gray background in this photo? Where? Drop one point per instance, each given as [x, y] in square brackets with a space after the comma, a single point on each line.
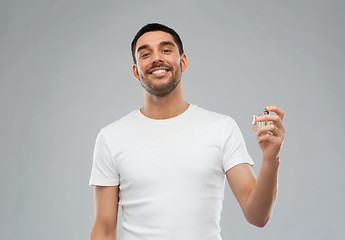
[65, 72]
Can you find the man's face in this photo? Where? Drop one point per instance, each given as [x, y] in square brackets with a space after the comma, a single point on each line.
[159, 65]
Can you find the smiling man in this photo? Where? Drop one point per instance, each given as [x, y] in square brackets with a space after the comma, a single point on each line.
[166, 163]
[169, 71]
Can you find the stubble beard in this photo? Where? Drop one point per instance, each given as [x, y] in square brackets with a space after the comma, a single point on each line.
[161, 90]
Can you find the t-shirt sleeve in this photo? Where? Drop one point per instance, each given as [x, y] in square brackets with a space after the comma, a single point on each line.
[234, 148]
[104, 170]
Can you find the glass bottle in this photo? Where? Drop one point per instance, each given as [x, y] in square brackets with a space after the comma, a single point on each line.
[256, 125]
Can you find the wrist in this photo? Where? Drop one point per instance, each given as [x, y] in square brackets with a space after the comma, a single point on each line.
[272, 163]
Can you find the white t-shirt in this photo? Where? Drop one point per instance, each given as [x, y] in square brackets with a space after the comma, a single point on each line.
[171, 172]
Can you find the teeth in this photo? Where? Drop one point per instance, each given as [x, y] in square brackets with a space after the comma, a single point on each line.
[159, 71]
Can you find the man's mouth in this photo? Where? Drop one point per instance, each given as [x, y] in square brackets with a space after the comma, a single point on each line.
[159, 71]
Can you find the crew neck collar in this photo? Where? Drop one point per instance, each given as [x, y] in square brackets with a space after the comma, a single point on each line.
[173, 119]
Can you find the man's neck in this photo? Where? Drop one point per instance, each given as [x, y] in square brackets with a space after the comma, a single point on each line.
[165, 107]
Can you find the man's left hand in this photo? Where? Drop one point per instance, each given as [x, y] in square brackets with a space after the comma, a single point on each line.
[270, 137]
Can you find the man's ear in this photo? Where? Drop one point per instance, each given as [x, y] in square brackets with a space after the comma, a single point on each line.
[184, 62]
[135, 71]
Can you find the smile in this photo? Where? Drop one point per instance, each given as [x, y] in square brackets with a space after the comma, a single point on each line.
[159, 71]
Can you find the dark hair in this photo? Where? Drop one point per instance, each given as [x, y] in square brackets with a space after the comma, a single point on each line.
[151, 27]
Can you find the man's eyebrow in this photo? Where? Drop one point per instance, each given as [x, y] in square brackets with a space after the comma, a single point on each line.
[164, 43]
[142, 47]
[167, 43]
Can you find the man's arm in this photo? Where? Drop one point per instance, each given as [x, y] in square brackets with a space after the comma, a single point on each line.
[106, 209]
[257, 196]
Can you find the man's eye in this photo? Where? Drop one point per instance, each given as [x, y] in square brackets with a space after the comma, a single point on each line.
[166, 50]
[145, 55]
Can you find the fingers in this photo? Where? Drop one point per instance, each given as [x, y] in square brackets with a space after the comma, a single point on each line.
[264, 138]
[270, 137]
[271, 128]
[277, 110]
[275, 138]
[274, 118]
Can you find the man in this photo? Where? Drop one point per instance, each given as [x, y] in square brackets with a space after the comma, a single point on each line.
[166, 163]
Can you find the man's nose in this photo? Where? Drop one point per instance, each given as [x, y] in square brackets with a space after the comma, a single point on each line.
[157, 57]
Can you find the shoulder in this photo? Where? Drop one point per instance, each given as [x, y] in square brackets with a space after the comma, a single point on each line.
[213, 116]
[119, 125]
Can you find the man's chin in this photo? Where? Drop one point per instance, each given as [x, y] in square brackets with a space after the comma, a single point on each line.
[158, 77]
[159, 86]
[159, 83]
[160, 91]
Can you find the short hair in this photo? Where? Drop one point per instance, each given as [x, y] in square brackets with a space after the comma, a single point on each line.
[151, 27]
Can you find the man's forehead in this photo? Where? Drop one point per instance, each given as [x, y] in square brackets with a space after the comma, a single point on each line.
[154, 38]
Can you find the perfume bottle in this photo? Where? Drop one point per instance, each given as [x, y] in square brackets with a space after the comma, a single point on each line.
[256, 125]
